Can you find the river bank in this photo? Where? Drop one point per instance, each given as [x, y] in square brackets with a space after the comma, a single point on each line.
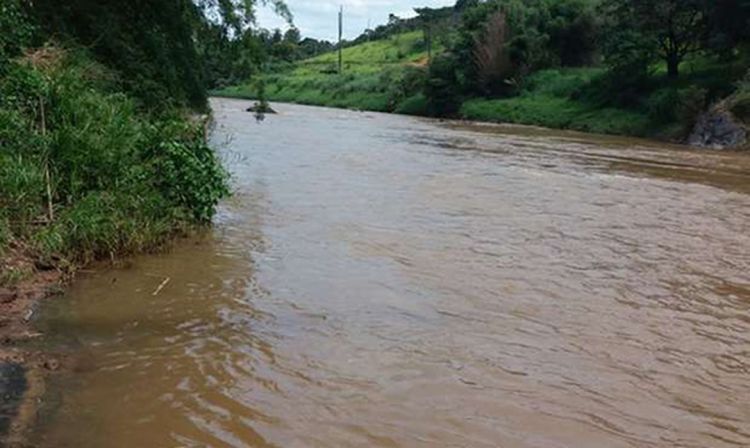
[394, 74]
[711, 131]
[86, 175]
[27, 364]
[23, 370]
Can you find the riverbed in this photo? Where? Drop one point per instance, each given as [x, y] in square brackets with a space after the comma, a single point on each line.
[379, 280]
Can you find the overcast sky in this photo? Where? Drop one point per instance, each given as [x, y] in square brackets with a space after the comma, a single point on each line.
[317, 18]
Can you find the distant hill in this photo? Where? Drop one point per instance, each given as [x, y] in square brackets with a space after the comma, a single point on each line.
[378, 75]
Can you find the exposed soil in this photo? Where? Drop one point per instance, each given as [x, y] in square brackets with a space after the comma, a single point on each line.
[27, 282]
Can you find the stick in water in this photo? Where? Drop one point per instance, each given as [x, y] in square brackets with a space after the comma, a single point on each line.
[163, 284]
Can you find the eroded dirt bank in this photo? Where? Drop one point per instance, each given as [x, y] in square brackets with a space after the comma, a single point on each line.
[23, 368]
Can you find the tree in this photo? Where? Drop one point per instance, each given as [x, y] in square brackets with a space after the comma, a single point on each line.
[292, 36]
[673, 28]
[238, 15]
[167, 51]
[573, 32]
[441, 87]
[463, 5]
[729, 22]
[15, 30]
[148, 42]
[491, 58]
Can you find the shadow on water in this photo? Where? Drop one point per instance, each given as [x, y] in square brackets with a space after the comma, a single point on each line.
[12, 387]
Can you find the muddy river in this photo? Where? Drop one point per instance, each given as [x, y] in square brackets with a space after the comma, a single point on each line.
[388, 281]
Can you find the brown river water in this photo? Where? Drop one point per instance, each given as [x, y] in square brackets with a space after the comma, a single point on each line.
[388, 281]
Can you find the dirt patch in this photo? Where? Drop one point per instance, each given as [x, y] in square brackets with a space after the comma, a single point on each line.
[421, 62]
[24, 283]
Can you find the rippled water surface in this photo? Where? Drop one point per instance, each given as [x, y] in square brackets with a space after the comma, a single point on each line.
[394, 282]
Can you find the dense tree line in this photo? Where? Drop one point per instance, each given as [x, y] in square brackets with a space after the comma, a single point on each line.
[500, 42]
[165, 52]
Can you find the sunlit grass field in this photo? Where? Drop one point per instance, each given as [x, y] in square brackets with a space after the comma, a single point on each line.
[373, 73]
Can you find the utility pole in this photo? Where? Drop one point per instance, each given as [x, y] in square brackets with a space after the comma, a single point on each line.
[341, 34]
[429, 43]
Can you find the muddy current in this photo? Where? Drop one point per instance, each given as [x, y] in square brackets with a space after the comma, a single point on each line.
[387, 281]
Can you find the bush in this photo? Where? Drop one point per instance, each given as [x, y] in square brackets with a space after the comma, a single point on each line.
[118, 181]
[414, 105]
[740, 103]
[186, 171]
[441, 87]
[670, 105]
[15, 30]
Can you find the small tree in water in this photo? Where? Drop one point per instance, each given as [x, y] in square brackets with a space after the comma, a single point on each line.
[261, 106]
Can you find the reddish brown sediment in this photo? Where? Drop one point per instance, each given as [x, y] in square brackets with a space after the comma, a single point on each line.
[17, 304]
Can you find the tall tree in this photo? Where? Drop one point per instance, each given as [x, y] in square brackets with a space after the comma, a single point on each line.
[729, 25]
[15, 29]
[237, 15]
[159, 47]
[674, 28]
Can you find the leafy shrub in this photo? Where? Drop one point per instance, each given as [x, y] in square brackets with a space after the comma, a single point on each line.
[15, 30]
[186, 171]
[441, 87]
[100, 177]
[413, 105]
[740, 104]
[671, 105]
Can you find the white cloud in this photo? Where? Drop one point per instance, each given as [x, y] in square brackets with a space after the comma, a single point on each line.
[318, 18]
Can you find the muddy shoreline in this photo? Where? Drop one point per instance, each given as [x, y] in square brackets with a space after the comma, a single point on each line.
[22, 369]
[25, 369]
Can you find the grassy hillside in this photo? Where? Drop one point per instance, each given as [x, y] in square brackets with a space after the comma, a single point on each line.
[377, 76]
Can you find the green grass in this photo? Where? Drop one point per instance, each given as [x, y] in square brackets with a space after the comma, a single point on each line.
[373, 77]
[118, 180]
[557, 113]
[370, 57]
[547, 100]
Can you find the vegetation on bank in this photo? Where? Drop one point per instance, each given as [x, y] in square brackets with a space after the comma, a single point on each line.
[84, 175]
[378, 76]
[100, 153]
[607, 66]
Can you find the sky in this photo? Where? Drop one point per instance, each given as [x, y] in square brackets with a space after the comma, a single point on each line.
[318, 18]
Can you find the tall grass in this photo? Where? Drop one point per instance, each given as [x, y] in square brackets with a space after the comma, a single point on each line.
[84, 174]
